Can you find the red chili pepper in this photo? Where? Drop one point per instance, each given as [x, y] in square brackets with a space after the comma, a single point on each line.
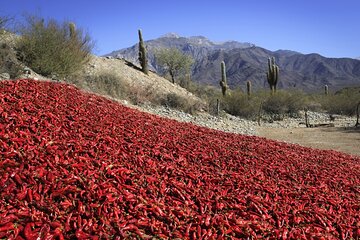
[7, 227]
[8, 219]
[55, 225]
[207, 220]
[18, 179]
[28, 233]
[30, 195]
[58, 233]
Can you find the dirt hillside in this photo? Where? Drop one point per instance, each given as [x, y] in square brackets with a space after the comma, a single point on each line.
[132, 76]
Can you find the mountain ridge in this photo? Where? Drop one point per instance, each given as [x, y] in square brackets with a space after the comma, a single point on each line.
[246, 61]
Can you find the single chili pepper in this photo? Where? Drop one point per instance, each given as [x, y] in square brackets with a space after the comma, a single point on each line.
[207, 220]
[55, 225]
[30, 195]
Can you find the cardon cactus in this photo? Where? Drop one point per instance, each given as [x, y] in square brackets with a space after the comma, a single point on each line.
[72, 30]
[142, 54]
[326, 90]
[223, 82]
[272, 74]
[248, 88]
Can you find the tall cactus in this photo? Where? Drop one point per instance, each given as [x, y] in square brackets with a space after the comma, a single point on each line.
[357, 115]
[248, 88]
[272, 74]
[223, 82]
[72, 30]
[326, 90]
[142, 54]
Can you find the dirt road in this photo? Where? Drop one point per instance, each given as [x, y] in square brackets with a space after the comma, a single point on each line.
[335, 138]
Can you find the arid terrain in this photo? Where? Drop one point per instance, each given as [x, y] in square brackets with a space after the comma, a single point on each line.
[332, 138]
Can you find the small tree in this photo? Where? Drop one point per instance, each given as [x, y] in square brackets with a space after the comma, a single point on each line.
[174, 62]
[51, 47]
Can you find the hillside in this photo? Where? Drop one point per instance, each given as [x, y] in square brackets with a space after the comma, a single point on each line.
[246, 61]
[131, 76]
[75, 165]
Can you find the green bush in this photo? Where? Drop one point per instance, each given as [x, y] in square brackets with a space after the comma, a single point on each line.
[281, 103]
[8, 61]
[342, 102]
[285, 103]
[5, 25]
[239, 104]
[181, 103]
[107, 84]
[49, 47]
[207, 93]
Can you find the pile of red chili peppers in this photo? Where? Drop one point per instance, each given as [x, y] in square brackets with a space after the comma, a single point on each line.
[74, 165]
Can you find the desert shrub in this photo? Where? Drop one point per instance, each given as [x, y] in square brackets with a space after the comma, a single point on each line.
[174, 101]
[239, 104]
[181, 103]
[142, 95]
[51, 47]
[285, 103]
[342, 102]
[278, 105]
[201, 90]
[208, 94]
[5, 25]
[8, 61]
[107, 84]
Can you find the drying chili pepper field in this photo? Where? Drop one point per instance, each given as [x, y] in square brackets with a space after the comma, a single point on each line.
[74, 165]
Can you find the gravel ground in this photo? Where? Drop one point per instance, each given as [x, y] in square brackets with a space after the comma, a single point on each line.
[229, 123]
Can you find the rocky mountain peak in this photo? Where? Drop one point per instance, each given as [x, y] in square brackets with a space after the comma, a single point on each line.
[170, 35]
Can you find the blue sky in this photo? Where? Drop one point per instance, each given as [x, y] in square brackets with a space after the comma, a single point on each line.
[328, 27]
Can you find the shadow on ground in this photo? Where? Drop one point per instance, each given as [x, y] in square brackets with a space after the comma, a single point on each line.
[342, 129]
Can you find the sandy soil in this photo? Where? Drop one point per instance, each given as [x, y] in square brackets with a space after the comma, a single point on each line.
[341, 139]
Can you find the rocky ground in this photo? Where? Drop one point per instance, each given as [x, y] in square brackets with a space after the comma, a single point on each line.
[229, 123]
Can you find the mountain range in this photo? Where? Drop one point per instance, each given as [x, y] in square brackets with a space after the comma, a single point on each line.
[247, 62]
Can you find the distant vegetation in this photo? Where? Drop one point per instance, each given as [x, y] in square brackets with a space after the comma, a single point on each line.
[341, 102]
